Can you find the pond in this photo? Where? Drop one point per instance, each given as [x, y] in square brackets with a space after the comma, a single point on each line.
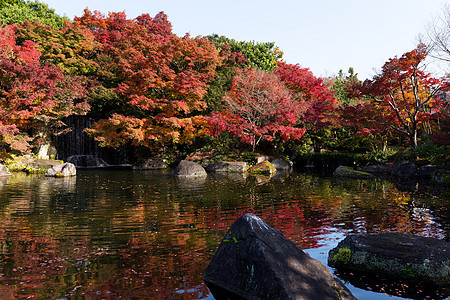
[146, 235]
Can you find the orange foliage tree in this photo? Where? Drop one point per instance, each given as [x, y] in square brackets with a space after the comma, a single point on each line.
[409, 93]
[161, 78]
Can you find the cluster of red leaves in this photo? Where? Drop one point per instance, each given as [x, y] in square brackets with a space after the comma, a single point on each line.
[260, 107]
[163, 76]
[318, 100]
[408, 94]
[31, 94]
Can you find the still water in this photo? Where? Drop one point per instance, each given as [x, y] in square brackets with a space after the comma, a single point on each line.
[146, 235]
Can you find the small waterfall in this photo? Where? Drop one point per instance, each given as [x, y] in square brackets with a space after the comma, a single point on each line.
[77, 142]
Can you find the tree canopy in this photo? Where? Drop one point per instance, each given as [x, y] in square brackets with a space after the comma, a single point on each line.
[162, 78]
[19, 11]
[260, 107]
[411, 95]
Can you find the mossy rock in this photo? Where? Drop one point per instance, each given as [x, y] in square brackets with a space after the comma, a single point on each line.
[343, 255]
[264, 167]
[349, 172]
[409, 257]
[30, 164]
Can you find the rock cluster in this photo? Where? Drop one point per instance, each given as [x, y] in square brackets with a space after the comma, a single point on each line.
[62, 170]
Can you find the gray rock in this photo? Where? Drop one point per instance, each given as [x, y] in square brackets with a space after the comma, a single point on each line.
[404, 169]
[4, 171]
[281, 164]
[255, 261]
[348, 172]
[87, 161]
[227, 166]
[155, 163]
[189, 168]
[62, 170]
[394, 255]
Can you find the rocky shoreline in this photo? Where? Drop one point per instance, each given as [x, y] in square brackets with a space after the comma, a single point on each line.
[264, 165]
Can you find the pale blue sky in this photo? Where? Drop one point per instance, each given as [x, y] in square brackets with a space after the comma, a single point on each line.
[323, 35]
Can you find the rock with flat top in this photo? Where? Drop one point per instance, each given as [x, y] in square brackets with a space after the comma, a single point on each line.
[348, 172]
[87, 161]
[227, 166]
[395, 255]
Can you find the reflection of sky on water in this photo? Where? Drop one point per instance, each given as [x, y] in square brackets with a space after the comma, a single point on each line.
[321, 254]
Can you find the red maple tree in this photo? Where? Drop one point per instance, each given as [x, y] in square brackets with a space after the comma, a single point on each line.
[161, 77]
[260, 107]
[33, 96]
[409, 93]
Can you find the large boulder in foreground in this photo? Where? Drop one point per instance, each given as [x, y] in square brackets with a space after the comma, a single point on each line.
[255, 261]
[394, 255]
[4, 170]
[62, 170]
[189, 168]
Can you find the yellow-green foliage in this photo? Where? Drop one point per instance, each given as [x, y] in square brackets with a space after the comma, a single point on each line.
[30, 164]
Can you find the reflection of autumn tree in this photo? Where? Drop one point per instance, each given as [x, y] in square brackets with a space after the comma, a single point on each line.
[377, 206]
[147, 236]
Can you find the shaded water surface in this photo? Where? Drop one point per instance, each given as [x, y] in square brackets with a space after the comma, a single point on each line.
[125, 234]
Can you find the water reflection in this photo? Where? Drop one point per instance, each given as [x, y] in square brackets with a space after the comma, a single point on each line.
[145, 234]
[191, 183]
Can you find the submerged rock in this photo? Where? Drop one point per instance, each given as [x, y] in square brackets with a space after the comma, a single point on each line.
[62, 170]
[348, 172]
[227, 166]
[4, 170]
[189, 168]
[255, 261]
[394, 255]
